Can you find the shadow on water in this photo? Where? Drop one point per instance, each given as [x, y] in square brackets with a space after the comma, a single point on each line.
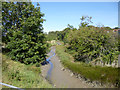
[44, 63]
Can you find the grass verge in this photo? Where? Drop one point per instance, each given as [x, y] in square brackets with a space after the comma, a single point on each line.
[21, 75]
[94, 73]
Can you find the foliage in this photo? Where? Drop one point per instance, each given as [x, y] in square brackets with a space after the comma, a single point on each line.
[62, 35]
[107, 28]
[119, 40]
[92, 43]
[85, 21]
[51, 36]
[22, 32]
[116, 28]
[21, 75]
[94, 73]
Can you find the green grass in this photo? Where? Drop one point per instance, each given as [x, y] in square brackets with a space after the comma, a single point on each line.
[21, 75]
[94, 73]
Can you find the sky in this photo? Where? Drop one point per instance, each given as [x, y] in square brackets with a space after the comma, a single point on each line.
[59, 14]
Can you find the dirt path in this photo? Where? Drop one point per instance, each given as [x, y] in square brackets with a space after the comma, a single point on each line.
[60, 78]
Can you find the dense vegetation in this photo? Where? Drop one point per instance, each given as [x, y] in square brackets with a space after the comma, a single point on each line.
[25, 42]
[21, 75]
[90, 43]
[51, 36]
[22, 32]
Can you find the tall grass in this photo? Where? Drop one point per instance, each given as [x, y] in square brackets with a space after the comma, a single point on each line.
[22, 76]
[94, 73]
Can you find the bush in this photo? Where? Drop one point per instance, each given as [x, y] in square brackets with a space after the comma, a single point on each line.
[22, 32]
[93, 43]
[37, 64]
[94, 73]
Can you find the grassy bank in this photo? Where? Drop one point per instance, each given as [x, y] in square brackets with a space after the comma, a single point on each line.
[20, 75]
[94, 73]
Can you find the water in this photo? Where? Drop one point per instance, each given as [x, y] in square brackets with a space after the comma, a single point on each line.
[48, 77]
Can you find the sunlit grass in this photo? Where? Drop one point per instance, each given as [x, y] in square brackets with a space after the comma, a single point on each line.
[102, 74]
[23, 76]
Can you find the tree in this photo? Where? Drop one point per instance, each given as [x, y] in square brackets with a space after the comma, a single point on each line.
[85, 21]
[52, 35]
[22, 32]
[70, 26]
[93, 43]
[107, 28]
[116, 28]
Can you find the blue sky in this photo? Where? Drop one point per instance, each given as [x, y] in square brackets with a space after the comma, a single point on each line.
[59, 14]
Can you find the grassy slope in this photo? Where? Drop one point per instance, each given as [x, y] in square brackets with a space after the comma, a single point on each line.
[22, 76]
[102, 74]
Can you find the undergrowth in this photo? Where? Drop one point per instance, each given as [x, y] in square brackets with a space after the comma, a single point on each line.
[94, 73]
[21, 75]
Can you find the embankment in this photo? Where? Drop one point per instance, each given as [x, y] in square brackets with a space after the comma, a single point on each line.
[94, 74]
[21, 75]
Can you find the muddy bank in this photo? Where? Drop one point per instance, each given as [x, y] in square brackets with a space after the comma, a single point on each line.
[63, 78]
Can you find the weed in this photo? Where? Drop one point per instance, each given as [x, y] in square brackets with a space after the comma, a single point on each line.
[102, 74]
[21, 75]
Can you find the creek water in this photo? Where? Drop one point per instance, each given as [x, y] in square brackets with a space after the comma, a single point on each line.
[48, 77]
[59, 78]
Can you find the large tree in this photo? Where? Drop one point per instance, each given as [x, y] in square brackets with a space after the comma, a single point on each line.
[23, 31]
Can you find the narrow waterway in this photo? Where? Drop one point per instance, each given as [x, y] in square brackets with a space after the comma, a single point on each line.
[48, 76]
[58, 77]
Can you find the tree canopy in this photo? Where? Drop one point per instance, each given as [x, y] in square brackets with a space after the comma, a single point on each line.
[23, 32]
[88, 43]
